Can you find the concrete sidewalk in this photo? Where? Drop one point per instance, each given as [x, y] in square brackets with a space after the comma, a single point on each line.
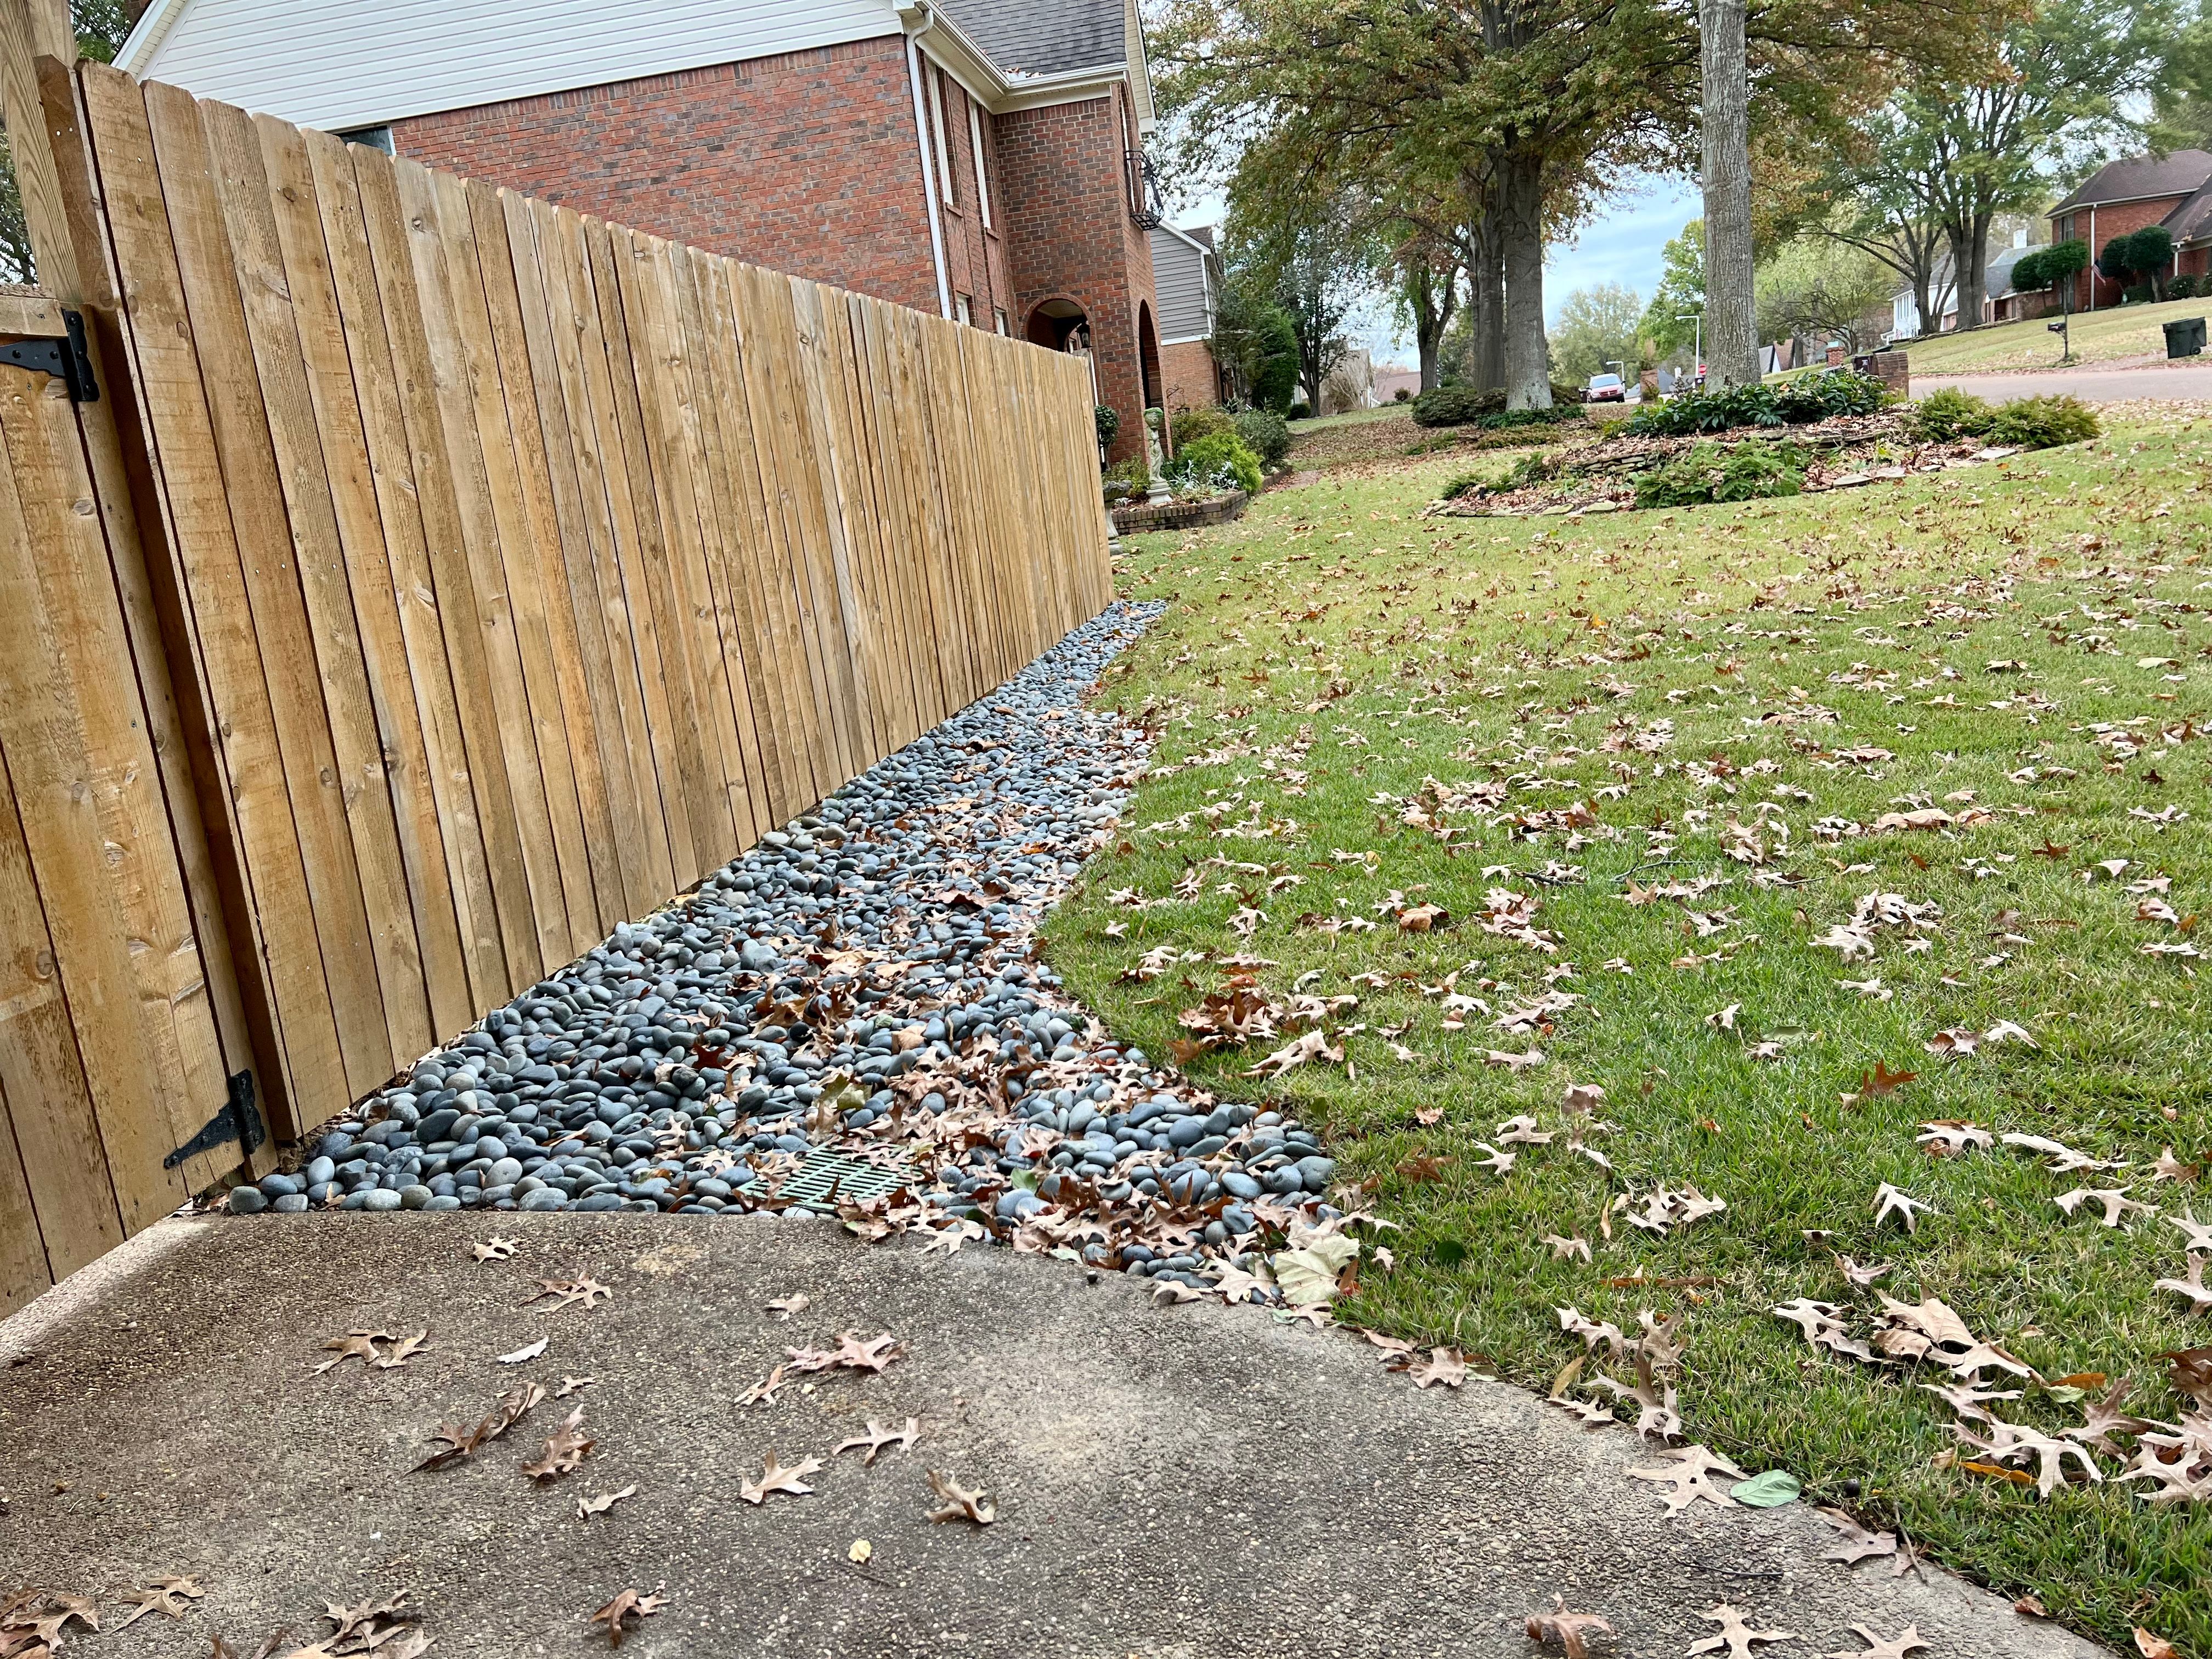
[2185, 381]
[1187, 1480]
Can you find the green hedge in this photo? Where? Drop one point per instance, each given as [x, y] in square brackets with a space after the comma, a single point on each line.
[1798, 402]
[1707, 471]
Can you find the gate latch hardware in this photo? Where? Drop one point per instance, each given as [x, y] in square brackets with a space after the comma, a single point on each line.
[62, 356]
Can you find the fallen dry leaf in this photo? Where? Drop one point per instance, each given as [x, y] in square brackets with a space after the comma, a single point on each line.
[1737, 1636]
[523, 1356]
[2155, 1647]
[777, 1478]
[626, 1606]
[784, 1306]
[587, 1507]
[961, 1502]
[401, 1352]
[565, 1448]
[354, 1345]
[1897, 1646]
[878, 1438]
[568, 1292]
[1689, 1470]
[1570, 1632]
[496, 1250]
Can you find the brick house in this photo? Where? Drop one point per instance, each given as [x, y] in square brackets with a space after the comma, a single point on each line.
[1186, 271]
[2126, 195]
[982, 158]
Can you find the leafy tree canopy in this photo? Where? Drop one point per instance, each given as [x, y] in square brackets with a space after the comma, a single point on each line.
[1597, 333]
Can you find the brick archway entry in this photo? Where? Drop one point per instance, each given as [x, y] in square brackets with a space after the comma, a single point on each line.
[1062, 325]
[1148, 354]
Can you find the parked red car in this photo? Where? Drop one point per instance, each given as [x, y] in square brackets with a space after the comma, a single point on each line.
[1605, 389]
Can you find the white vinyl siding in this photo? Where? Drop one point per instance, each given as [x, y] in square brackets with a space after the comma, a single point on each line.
[983, 175]
[338, 64]
[1185, 308]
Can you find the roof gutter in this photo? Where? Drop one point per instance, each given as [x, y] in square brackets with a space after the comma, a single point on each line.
[916, 20]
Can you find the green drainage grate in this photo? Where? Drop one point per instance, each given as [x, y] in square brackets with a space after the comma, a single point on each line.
[822, 1178]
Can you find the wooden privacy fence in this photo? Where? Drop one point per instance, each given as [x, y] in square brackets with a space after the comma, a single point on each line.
[444, 578]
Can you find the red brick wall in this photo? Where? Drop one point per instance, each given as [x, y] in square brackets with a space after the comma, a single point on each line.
[2115, 221]
[806, 162]
[1192, 380]
[1069, 236]
[974, 258]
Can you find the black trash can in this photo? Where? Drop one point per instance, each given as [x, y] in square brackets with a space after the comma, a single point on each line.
[2185, 337]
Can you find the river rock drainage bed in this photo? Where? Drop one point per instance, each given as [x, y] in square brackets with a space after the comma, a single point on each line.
[850, 1020]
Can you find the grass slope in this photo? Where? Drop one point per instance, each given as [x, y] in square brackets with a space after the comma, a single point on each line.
[1322, 658]
[2100, 337]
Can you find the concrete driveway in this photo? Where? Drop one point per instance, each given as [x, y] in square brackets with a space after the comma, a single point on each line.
[1186, 1481]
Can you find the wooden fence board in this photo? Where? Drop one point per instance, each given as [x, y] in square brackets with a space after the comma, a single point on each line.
[595, 891]
[251, 810]
[595, 577]
[395, 600]
[451, 578]
[283, 643]
[55, 1131]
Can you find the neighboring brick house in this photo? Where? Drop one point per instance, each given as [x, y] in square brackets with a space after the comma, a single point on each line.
[1186, 269]
[982, 159]
[2126, 195]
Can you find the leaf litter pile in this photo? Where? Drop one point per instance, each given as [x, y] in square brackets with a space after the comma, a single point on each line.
[1745, 963]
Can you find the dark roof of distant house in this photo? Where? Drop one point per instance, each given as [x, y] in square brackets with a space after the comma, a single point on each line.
[1051, 37]
[2193, 220]
[1997, 276]
[2181, 173]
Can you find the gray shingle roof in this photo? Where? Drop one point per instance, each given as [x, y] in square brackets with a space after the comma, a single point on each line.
[1051, 37]
[2134, 177]
[2193, 220]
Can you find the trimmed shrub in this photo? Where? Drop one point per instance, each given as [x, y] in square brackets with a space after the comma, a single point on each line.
[1300, 410]
[1110, 425]
[2043, 422]
[1266, 434]
[1456, 405]
[1191, 424]
[1405, 395]
[1711, 472]
[1797, 402]
[1950, 413]
[2136, 293]
[1219, 460]
[2183, 287]
[1505, 420]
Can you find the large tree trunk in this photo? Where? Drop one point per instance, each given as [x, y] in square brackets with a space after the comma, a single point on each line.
[1521, 232]
[1486, 303]
[1970, 264]
[1731, 319]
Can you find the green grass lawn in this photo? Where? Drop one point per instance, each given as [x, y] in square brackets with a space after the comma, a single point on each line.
[2100, 337]
[1668, 729]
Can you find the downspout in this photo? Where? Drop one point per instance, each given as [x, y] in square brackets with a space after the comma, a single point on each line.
[907, 10]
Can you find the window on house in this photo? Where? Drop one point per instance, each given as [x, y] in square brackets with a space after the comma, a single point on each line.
[983, 178]
[936, 120]
[963, 308]
[374, 137]
[999, 313]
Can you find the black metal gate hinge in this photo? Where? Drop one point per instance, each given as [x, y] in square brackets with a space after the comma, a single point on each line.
[239, 1120]
[63, 355]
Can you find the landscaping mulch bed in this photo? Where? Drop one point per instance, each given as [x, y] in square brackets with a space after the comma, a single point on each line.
[1851, 451]
[851, 1019]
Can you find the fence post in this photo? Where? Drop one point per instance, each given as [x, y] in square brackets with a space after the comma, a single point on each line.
[56, 174]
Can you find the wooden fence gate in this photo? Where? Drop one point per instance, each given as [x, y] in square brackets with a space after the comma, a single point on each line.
[442, 578]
